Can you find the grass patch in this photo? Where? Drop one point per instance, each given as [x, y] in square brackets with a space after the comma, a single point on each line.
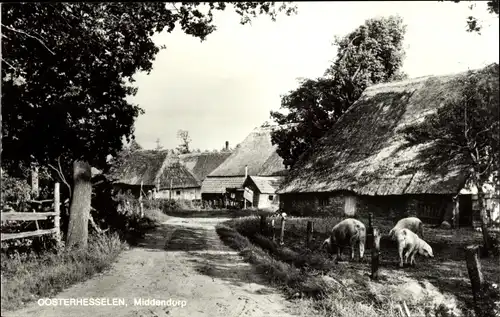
[443, 284]
[27, 277]
[280, 274]
[133, 228]
[319, 295]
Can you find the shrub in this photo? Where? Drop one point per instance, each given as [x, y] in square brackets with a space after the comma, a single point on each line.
[14, 192]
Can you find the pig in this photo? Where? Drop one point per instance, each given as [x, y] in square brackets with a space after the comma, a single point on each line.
[350, 232]
[411, 244]
[412, 223]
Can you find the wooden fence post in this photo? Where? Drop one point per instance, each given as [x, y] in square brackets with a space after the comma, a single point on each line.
[57, 210]
[263, 224]
[34, 183]
[141, 209]
[273, 228]
[477, 281]
[369, 233]
[375, 253]
[141, 205]
[456, 212]
[310, 230]
[282, 233]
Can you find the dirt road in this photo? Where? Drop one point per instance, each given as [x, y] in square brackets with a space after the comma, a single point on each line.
[185, 261]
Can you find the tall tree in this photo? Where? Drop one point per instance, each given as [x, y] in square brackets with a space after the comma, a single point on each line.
[373, 53]
[467, 130]
[67, 70]
[183, 136]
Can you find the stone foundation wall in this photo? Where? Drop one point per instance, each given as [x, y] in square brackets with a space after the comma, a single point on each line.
[430, 208]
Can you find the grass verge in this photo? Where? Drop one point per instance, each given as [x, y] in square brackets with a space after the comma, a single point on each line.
[320, 296]
[345, 288]
[29, 276]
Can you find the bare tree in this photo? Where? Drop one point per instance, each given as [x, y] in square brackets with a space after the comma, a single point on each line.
[183, 148]
[158, 145]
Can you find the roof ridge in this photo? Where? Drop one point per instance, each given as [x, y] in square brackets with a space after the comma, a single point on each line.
[162, 167]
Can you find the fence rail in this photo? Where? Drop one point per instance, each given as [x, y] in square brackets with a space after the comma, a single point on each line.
[27, 216]
[35, 216]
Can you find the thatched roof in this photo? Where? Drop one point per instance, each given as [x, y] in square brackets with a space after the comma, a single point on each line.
[218, 185]
[365, 151]
[149, 167]
[140, 166]
[257, 152]
[202, 164]
[265, 184]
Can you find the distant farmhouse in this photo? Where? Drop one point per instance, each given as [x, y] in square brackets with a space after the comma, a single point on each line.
[249, 176]
[260, 191]
[363, 165]
[165, 174]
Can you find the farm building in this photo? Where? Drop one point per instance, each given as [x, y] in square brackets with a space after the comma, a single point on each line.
[166, 175]
[260, 191]
[364, 164]
[255, 156]
[202, 164]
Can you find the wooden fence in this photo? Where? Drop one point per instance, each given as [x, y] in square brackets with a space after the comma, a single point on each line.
[35, 216]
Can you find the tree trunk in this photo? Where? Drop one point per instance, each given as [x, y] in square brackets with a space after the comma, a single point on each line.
[80, 205]
[484, 220]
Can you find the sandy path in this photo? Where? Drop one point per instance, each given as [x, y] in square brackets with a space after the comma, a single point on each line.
[182, 260]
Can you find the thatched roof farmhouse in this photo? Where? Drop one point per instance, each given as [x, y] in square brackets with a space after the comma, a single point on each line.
[364, 162]
[166, 172]
[255, 156]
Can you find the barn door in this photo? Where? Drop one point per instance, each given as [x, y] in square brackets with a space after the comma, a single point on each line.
[350, 205]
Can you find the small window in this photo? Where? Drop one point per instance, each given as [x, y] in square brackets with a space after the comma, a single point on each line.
[178, 192]
[271, 197]
[324, 202]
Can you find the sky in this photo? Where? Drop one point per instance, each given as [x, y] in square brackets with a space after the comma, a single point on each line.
[221, 89]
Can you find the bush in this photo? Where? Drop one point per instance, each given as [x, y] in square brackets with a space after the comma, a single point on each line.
[119, 212]
[14, 192]
[169, 205]
[164, 205]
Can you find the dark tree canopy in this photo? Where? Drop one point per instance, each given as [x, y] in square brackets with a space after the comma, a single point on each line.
[373, 53]
[67, 69]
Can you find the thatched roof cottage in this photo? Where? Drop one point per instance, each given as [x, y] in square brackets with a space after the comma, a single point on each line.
[255, 156]
[364, 163]
[171, 176]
